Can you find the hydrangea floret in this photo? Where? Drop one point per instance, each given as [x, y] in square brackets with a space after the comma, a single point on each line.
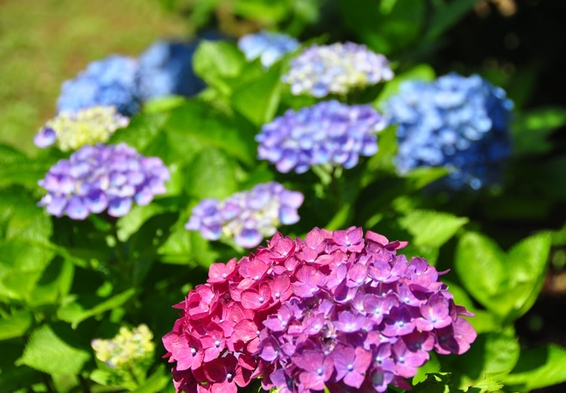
[126, 348]
[327, 133]
[268, 46]
[460, 123]
[338, 310]
[247, 217]
[89, 126]
[106, 82]
[98, 178]
[320, 70]
[166, 68]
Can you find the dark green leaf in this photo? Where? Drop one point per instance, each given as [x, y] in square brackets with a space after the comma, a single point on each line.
[531, 130]
[446, 16]
[211, 175]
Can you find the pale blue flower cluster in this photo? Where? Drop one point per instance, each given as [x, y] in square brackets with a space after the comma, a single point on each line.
[326, 133]
[320, 70]
[269, 47]
[248, 216]
[107, 82]
[456, 122]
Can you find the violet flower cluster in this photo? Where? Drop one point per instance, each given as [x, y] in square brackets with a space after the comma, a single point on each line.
[326, 133]
[166, 68]
[248, 216]
[320, 70]
[338, 310]
[454, 122]
[72, 130]
[98, 178]
[107, 82]
[269, 47]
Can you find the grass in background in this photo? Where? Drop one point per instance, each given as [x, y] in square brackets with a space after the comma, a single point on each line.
[44, 42]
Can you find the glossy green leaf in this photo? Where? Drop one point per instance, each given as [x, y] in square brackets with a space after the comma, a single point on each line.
[15, 325]
[258, 100]
[506, 284]
[142, 131]
[211, 175]
[217, 61]
[446, 16]
[52, 354]
[77, 311]
[531, 130]
[156, 382]
[538, 368]
[198, 126]
[430, 228]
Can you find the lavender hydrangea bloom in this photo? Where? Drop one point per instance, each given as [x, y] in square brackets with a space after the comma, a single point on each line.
[248, 216]
[269, 47]
[454, 122]
[98, 178]
[336, 69]
[328, 132]
[107, 82]
[72, 130]
[166, 68]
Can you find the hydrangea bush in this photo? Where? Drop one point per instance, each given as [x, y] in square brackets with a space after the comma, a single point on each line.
[144, 201]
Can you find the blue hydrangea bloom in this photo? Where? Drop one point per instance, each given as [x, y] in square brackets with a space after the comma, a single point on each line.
[269, 47]
[166, 68]
[456, 122]
[320, 70]
[98, 178]
[247, 216]
[107, 82]
[327, 133]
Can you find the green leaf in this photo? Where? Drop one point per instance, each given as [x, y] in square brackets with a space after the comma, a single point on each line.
[446, 16]
[258, 100]
[506, 284]
[54, 284]
[431, 228]
[48, 352]
[422, 72]
[156, 382]
[12, 379]
[384, 29]
[15, 325]
[537, 368]
[531, 130]
[198, 126]
[491, 353]
[142, 131]
[88, 306]
[216, 61]
[131, 222]
[211, 175]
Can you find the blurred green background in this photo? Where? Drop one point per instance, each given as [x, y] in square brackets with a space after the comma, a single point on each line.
[44, 42]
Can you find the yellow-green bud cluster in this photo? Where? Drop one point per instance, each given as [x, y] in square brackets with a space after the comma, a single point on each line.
[126, 348]
[89, 126]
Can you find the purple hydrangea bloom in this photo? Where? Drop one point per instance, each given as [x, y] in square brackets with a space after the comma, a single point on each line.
[107, 82]
[454, 122]
[247, 216]
[98, 178]
[166, 68]
[326, 133]
[269, 47]
[320, 70]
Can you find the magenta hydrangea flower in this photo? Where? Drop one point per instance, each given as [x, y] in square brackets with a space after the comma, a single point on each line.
[338, 310]
[247, 217]
[99, 178]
